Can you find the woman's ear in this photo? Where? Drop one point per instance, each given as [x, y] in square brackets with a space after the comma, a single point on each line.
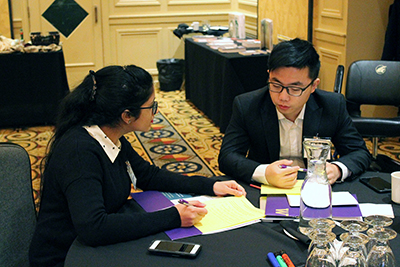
[127, 117]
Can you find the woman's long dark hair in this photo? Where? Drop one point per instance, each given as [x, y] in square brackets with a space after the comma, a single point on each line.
[100, 99]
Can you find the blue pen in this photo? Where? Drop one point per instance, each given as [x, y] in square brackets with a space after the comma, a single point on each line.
[272, 259]
[280, 260]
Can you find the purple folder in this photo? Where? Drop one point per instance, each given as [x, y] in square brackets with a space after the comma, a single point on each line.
[278, 206]
[152, 201]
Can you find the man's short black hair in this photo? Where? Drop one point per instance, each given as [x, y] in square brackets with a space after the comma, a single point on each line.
[295, 53]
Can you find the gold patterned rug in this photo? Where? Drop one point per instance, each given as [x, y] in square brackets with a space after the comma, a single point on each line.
[196, 130]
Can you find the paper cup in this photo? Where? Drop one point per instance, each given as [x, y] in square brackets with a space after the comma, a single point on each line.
[196, 25]
[396, 187]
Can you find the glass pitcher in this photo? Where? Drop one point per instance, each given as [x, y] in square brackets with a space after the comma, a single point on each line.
[316, 192]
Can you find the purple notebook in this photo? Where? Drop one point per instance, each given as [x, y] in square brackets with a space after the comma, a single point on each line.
[278, 206]
[152, 201]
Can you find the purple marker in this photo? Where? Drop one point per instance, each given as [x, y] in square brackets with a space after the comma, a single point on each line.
[282, 166]
[184, 202]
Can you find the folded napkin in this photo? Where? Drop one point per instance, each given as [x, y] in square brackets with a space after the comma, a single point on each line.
[292, 228]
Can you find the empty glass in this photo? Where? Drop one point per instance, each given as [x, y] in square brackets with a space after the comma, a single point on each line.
[323, 225]
[321, 255]
[353, 237]
[381, 254]
[354, 252]
[377, 222]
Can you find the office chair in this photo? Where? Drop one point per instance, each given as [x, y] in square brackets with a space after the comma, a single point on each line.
[17, 208]
[375, 82]
[339, 79]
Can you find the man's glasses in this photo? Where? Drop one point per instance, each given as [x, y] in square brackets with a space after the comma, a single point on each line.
[154, 107]
[291, 90]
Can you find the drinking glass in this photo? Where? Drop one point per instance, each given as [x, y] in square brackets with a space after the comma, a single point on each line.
[377, 222]
[323, 225]
[354, 236]
[354, 251]
[354, 256]
[321, 255]
[381, 254]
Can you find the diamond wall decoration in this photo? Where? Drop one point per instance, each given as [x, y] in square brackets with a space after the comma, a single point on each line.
[65, 15]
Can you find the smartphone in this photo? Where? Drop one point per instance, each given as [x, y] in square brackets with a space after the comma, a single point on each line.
[377, 183]
[173, 248]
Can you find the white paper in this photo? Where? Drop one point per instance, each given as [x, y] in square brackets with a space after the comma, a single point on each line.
[338, 199]
[368, 209]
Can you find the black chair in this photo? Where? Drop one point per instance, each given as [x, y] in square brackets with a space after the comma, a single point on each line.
[17, 208]
[339, 79]
[375, 82]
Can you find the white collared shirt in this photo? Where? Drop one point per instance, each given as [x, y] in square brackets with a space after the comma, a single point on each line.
[291, 134]
[112, 150]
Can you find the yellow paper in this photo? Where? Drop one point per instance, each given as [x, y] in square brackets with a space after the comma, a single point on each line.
[272, 190]
[227, 212]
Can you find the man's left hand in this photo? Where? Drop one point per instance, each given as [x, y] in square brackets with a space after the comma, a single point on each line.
[333, 172]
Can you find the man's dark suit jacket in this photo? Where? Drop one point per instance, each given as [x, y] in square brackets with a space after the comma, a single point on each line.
[254, 131]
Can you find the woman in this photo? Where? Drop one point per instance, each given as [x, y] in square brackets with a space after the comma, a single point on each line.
[90, 168]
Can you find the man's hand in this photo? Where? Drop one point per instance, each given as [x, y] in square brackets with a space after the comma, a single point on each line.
[333, 171]
[282, 177]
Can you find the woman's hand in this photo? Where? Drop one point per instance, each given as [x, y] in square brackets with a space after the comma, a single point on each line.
[191, 214]
[229, 188]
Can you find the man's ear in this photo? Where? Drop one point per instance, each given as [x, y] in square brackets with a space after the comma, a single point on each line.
[315, 85]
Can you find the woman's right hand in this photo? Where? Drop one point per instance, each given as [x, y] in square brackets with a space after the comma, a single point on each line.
[190, 215]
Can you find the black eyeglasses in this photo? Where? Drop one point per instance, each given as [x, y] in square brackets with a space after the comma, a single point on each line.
[291, 90]
[154, 107]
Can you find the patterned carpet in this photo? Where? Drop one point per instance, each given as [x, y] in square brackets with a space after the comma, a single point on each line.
[191, 146]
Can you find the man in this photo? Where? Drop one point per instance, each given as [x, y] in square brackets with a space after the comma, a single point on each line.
[268, 125]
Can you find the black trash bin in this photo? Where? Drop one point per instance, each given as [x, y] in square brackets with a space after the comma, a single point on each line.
[170, 73]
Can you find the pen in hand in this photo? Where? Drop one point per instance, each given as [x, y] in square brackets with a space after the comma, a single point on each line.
[184, 202]
[282, 166]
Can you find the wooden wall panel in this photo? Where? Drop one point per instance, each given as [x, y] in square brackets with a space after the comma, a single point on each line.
[5, 28]
[331, 15]
[289, 17]
[330, 59]
[134, 45]
[126, 3]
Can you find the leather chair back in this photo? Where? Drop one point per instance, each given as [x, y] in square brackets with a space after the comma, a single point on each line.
[372, 82]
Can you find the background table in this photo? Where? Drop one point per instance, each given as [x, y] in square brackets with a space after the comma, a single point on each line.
[213, 79]
[32, 85]
[245, 246]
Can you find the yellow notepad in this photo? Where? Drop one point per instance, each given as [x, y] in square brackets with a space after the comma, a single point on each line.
[272, 190]
[228, 213]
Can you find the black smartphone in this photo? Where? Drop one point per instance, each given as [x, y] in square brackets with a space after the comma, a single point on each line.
[173, 248]
[377, 183]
